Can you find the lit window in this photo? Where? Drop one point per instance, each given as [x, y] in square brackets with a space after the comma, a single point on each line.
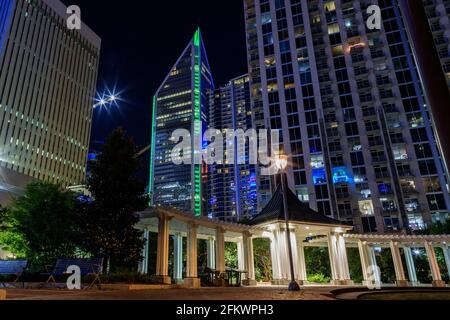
[333, 28]
[329, 6]
[366, 207]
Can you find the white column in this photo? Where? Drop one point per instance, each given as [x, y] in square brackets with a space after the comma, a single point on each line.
[412, 275]
[398, 265]
[343, 259]
[283, 255]
[434, 266]
[302, 274]
[274, 256]
[191, 263]
[220, 249]
[144, 263]
[178, 257]
[294, 253]
[162, 260]
[240, 254]
[374, 269]
[365, 260]
[211, 256]
[333, 259]
[446, 251]
[192, 279]
[249, 263]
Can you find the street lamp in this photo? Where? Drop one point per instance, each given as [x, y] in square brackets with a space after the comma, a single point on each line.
[282, 163]
[106, 100]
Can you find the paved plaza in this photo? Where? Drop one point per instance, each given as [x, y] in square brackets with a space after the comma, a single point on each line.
[232, 294]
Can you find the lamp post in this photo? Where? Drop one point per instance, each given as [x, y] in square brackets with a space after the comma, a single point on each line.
[282, 163]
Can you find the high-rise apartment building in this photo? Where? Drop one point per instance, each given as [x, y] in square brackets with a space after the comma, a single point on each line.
[181, 103]
[231, 184]
[350, 106]
[438, 13]
[48, 76]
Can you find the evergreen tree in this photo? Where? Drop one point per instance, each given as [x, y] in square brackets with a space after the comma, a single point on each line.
[107, 224]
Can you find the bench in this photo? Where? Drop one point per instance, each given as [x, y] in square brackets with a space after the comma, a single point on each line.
[12, 267]
[88, 267]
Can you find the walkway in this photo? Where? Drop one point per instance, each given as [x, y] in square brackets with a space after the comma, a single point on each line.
[223, 294]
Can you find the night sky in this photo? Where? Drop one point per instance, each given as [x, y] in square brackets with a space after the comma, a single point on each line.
[141, 41]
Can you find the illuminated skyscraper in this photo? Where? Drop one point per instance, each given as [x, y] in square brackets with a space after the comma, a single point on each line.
[349, 103]
[180, 103]
[48, 76]
[231, 187]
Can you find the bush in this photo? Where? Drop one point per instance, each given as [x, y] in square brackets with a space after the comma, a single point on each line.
[318, 278]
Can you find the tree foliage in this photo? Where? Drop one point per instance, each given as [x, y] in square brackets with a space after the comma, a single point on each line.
[39, 225]
[107, 224]
[231, 255]
[317, 263]
[262, 258]
[439, 228]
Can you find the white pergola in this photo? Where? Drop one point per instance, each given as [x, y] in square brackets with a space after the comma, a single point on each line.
[172, 223]
[367, 244]
[307, 228]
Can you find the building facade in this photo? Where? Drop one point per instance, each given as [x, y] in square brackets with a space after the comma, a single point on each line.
[349, 104]
[181, 103]
[231, 184]
[48, 76]
[438, 13]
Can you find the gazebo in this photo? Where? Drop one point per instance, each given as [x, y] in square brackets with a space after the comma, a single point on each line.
[307, 228]
[305, 224]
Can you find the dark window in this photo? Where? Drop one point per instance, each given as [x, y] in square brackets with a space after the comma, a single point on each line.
[274, 97]
[324, 207]
[290, 94]
[427, 167]
[297, 148]
[423, 151]
[436, 202]
[313, 131]
[321, 191]
[311, 117]
[309, 104]
[308, 91]
[275, 123]
[351, 129]
[369, 224]
[419, 135]
[298, 163]
[342, 75]
[315, 146]
[300, 178]
[344, 88]
[293, 120]
[339, 63]
[346, 101]
[291, 107]
[357, 158]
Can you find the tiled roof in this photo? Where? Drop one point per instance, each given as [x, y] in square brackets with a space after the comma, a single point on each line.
[297, 211]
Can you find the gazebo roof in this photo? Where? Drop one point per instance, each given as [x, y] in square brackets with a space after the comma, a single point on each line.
[297, 212]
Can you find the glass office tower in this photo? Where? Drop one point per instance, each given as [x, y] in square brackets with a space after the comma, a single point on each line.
[231, 187]
[180, 103]
[350, 106]
[48, 76]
